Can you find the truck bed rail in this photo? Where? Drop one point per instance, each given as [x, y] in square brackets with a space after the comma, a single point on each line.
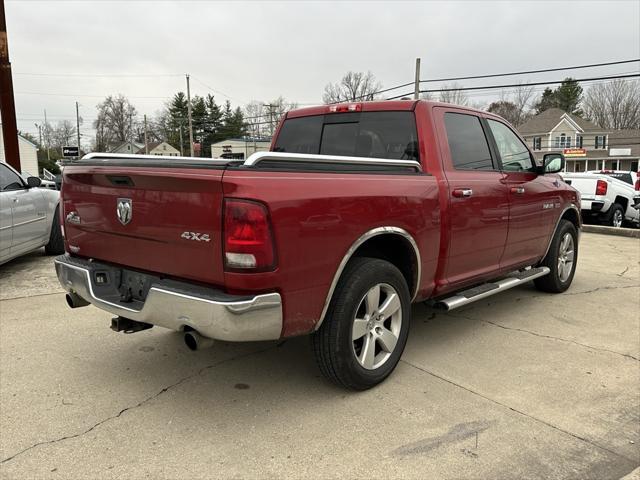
[135, 160]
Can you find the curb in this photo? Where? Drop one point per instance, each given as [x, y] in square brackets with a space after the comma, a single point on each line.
[620, 232]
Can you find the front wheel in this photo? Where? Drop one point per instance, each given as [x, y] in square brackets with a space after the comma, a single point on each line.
[561, 259]
[366, 327]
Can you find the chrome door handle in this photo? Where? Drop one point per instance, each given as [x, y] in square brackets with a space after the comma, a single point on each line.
[462, 192]
[518, 190]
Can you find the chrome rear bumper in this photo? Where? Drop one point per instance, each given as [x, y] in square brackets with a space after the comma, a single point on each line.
[177, 305]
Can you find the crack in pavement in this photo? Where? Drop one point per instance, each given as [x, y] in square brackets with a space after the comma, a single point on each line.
[132, 407]
[621, 274]
[626, 355]
[520, 412]
[541, 335]
[31, 296]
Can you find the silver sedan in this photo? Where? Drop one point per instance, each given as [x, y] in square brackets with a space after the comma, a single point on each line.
[28, 216]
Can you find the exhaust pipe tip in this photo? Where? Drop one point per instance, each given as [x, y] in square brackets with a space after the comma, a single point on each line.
[194, 341]
[75, 301]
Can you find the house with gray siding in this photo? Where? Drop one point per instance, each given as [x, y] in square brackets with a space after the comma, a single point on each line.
[585, 145]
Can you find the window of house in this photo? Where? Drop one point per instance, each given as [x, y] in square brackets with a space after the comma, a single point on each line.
[563, 141]
[537, 143]
[467, 142]
[601, 141]
[578, 141]
[514, 154]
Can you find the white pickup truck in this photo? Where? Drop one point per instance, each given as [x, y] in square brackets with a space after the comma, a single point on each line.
[607, 196]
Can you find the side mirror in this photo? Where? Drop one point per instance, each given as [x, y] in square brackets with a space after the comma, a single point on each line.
[553, 163]
[33, 182]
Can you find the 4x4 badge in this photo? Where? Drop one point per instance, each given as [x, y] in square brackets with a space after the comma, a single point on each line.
[124, 210]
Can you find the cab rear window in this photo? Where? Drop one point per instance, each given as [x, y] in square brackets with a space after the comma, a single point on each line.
[389, 135]
[625, 177]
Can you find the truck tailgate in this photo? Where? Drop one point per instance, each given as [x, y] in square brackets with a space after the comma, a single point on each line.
[175, 223]
[584, 183]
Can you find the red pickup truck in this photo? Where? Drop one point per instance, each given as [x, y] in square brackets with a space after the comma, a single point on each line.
[357, 211]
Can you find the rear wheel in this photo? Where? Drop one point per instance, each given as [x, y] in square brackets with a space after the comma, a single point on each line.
[56, 241]
[561, 259]
[366, 327]
[616, 218]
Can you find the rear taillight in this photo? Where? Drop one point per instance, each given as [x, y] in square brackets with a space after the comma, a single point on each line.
[248, 241]
[637, 187]
[601, 187]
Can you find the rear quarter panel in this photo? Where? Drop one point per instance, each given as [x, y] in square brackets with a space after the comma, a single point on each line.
[318, 216]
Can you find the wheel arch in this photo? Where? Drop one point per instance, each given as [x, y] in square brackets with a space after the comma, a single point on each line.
[392, 244]
[571, 213]
[623, 202]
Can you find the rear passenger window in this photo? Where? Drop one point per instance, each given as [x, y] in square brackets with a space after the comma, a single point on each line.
[467, 142]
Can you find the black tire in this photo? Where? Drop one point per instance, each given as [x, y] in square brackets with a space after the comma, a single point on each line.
[554, 282]
[616, 216]
[56, 241]
[334, 349]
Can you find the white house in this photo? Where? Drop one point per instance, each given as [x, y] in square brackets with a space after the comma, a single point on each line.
[160, 148]
[28, 155]
[126, 147]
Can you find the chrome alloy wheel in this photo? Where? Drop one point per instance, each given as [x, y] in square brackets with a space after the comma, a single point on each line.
[376, 326]
[617, 218]
[565, 257]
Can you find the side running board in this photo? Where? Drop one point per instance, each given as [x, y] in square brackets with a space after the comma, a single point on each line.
[487, 289]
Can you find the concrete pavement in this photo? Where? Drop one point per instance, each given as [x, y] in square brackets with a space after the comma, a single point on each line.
[520, 385]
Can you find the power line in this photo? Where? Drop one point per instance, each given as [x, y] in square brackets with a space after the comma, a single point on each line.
[527, 72]
[92, 75]
[473, 77]
[493, 87]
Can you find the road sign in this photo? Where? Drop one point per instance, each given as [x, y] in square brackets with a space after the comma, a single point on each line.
[70, 152]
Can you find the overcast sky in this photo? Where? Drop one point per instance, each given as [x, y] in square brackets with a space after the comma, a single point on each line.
[260, 50]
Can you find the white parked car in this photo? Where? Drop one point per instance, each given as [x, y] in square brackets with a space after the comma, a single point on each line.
[608, 197]
[28, 216]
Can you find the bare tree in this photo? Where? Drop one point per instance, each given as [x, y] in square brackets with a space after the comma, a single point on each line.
[614, 104]
[515, 108]
[354, 86]
[451, 93]
[63, 134]
[115, 122]
[263, 117]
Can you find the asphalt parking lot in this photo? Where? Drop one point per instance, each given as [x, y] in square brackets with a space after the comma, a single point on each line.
[521, 385]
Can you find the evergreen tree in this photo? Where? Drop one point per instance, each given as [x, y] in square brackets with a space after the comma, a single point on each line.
[177, 113]
[566, 97]
[546, 101]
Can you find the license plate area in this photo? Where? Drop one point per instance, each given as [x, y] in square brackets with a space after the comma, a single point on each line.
[119, 285]
[134, 286]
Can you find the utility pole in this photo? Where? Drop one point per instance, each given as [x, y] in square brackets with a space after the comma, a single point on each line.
[146, 143]
[189, 115]
[181, 148]
[47, 133]
[131, 133]
[270, 107]
[416, 93]
[78, 127]
[7, 102]
[39, 133]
